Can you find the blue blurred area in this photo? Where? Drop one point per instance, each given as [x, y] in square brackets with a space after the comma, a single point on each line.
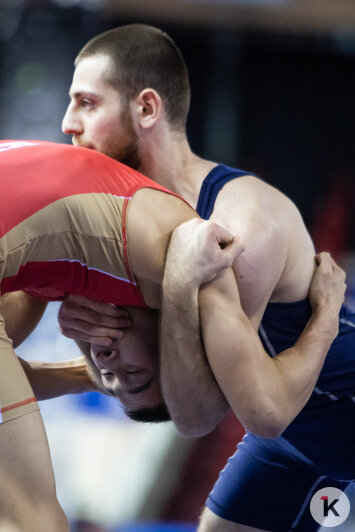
[84, 526]
[95, 403]
[158, 527]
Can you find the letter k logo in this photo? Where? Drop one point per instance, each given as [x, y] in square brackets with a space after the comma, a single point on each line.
[329, 507]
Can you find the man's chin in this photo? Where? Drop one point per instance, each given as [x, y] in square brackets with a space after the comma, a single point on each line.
[82, 144]
[86, 146]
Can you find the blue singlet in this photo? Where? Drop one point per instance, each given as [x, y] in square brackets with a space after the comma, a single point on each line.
[267, 483]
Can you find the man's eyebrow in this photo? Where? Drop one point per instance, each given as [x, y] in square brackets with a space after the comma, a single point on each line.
[79, 94]
[141, 388]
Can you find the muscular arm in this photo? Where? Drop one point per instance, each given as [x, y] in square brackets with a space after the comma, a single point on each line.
[193, 397]
[265, 393]
[22, 313]
[53, 379]
[198, 405]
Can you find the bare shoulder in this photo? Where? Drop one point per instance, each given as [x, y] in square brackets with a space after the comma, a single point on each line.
[252, 199]
[259, 214]
[273, 233]
[151, 217]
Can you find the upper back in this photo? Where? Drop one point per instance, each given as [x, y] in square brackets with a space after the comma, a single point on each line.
[63, 224]
[36, 173]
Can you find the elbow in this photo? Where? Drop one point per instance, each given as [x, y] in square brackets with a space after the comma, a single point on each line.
[190, 433]
[193, 429]
[266, 430]
[268, 424]
[200, 421]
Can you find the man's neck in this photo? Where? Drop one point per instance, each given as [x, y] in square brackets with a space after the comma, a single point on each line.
[167, 159]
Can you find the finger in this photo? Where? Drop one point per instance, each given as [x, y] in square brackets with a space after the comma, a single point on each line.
[324, 262]
[234, 249]
[94, 330]
[230, 253]
[110, 309]
[77, 335]
[226, 243]
[328, 265]
[223, 235]
[107, 316]
[66, 315]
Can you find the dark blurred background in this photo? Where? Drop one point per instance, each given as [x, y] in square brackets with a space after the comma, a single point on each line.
[273, 84]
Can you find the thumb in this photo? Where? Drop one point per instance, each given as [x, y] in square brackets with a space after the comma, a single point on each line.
[222, 235]
[233, 249]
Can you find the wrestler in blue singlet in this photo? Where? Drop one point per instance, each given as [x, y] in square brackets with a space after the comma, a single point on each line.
[268, 483]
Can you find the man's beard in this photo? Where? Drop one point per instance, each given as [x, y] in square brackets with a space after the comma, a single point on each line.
[129, 155]
[125, 146]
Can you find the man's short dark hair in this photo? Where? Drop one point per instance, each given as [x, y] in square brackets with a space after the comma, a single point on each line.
[157, 414]
[145, 57]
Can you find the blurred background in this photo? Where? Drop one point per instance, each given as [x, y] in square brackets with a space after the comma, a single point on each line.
[273, 84]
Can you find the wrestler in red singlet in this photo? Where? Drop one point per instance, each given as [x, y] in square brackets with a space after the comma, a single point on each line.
[63, 222]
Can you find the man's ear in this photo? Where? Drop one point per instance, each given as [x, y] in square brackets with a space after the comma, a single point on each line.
[149, 107]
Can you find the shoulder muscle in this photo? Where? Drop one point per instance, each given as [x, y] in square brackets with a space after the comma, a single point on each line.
[152, 216]
[256, 212]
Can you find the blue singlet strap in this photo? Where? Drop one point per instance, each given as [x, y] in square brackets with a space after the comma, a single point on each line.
[212, 184]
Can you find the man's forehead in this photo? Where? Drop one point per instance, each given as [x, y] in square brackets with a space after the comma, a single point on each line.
[96, 65]
[92, 87]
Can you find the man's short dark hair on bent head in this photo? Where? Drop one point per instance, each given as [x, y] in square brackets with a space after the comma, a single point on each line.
[145, 57]
[155, 414]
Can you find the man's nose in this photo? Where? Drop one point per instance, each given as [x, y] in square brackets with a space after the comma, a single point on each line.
[105, 358]
[70, 124]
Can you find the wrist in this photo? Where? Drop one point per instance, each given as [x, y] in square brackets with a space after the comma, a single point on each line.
[325, 320]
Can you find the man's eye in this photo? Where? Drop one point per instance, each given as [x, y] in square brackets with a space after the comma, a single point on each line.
[87, 104]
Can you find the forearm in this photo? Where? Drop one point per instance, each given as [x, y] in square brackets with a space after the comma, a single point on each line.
[266, 394]
[193, 397]
[22, 313]
[53, 379]
[298, 367]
